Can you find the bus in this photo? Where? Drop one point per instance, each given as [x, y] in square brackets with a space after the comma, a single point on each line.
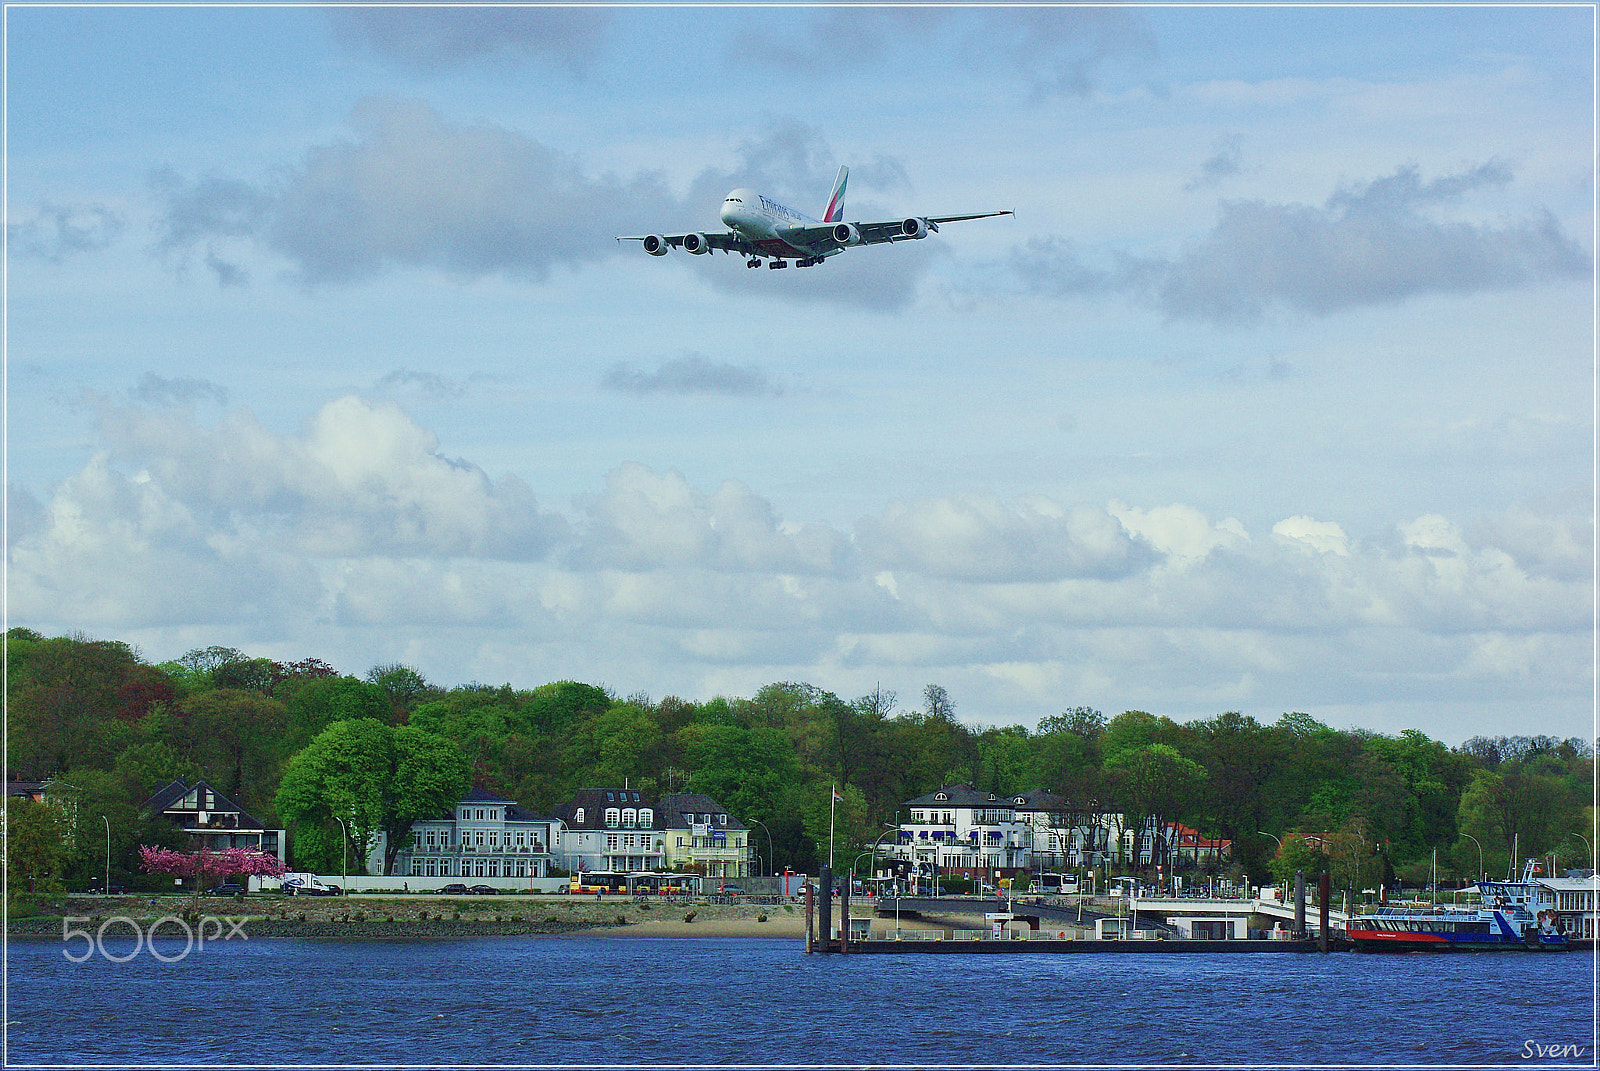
[635, 883]
[1055, 884]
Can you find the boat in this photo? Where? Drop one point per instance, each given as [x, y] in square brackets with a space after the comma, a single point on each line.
[1452, 929]
[1503, 920]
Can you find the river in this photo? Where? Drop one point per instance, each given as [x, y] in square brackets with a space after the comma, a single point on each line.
[629, 1001]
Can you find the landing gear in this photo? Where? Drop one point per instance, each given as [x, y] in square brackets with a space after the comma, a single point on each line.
[779, 264]
[753, 262]
[807, 262]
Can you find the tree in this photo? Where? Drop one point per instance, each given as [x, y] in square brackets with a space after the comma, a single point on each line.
[378, 778]
[1154, 785]
[35, 846]
[204, 865]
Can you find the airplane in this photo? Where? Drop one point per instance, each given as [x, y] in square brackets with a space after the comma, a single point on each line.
[761, 227]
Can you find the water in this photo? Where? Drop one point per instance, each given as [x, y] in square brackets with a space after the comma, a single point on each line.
[622, 1001]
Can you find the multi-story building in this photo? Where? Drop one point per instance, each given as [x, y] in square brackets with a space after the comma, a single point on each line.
[701, 836]
[612, 829]
[212, 820]
[484, 836]
[962, 831]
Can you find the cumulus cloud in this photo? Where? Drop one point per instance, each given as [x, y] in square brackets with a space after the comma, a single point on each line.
[1050, 52]
[1371, 243]
[692, 374]
[415, 189]
[449, 37]
[360, 479]
[157, 390]
[1220, 165]
[54, 232]
[650, 520]
[357, 521]
[984, 539]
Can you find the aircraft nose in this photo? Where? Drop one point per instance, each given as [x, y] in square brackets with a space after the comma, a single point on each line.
[730, 213]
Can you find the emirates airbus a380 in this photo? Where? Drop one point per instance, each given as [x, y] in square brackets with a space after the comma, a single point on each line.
[761, 227]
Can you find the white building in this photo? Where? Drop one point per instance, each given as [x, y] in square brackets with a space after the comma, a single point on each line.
[485, 839]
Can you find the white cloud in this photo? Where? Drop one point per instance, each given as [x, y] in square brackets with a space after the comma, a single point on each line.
[357, 526]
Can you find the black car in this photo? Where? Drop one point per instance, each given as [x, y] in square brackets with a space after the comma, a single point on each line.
[456, 889]
[229, 889]
[483, 890]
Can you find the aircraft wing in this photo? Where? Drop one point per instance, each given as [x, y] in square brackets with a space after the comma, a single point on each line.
[894, 230]
[726, 241]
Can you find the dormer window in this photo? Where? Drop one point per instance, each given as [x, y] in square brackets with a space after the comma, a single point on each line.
[613, 817]
[630, 818]
[941, 796]
[722, 819]
[578, 817]
[646, 818]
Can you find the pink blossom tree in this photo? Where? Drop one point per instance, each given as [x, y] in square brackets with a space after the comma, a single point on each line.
[206, 864]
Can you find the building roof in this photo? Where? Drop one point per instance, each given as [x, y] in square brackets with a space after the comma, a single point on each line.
[594, 801]
[959, 796]
[169, 798]
[675, 807]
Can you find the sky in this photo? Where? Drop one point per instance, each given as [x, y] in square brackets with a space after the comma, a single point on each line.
[1276, 393]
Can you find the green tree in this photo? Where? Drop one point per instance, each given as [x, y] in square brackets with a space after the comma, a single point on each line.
[378, 778]
[35, 847]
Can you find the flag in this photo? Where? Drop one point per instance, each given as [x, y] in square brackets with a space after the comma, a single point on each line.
[836, 797]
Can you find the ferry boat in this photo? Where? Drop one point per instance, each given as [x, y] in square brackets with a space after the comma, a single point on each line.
[1503, 921]
[1452, 929]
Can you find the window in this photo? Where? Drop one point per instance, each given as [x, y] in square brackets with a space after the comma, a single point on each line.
[629, 818]
[494, 838]
[520, 841]
[613, 817]
[579, 816]
[416, 868]
[680, 842]
[611, 842]
[479, 839]
[627, 841]
[480, 814]
[428, 838]
[494, 868]
[647, 817]
[722, 819]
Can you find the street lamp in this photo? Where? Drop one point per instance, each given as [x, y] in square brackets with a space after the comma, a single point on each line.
[768, 832]
[107, 821]
[1474, 840]
[1586, 847]
[344, 849]
[888, 827]
[1264, 833]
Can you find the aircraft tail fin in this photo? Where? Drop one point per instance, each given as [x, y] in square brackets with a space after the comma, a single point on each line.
[835, 210]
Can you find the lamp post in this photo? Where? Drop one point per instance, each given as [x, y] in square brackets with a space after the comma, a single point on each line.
[768, 832]
[1586, 848]
[1474, 840]
[1264, 833]
[344, 849]
[888, 827]
[107, 821]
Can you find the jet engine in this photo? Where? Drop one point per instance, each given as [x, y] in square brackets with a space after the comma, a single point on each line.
[696, 244]
[915, 228]
[846, 234]
[656, 245]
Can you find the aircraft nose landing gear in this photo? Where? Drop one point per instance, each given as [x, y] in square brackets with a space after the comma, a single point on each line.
[753, 262]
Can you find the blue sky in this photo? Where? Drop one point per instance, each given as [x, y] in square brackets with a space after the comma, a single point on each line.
[1276, 394]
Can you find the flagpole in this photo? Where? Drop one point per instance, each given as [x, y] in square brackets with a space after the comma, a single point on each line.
[833, 798]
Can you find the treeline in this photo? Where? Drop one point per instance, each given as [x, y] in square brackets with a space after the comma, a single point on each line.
[92, 713]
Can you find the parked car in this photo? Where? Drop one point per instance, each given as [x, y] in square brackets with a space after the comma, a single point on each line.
[483, 890]
[455, 889]
[730, 890]
[226, 889]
